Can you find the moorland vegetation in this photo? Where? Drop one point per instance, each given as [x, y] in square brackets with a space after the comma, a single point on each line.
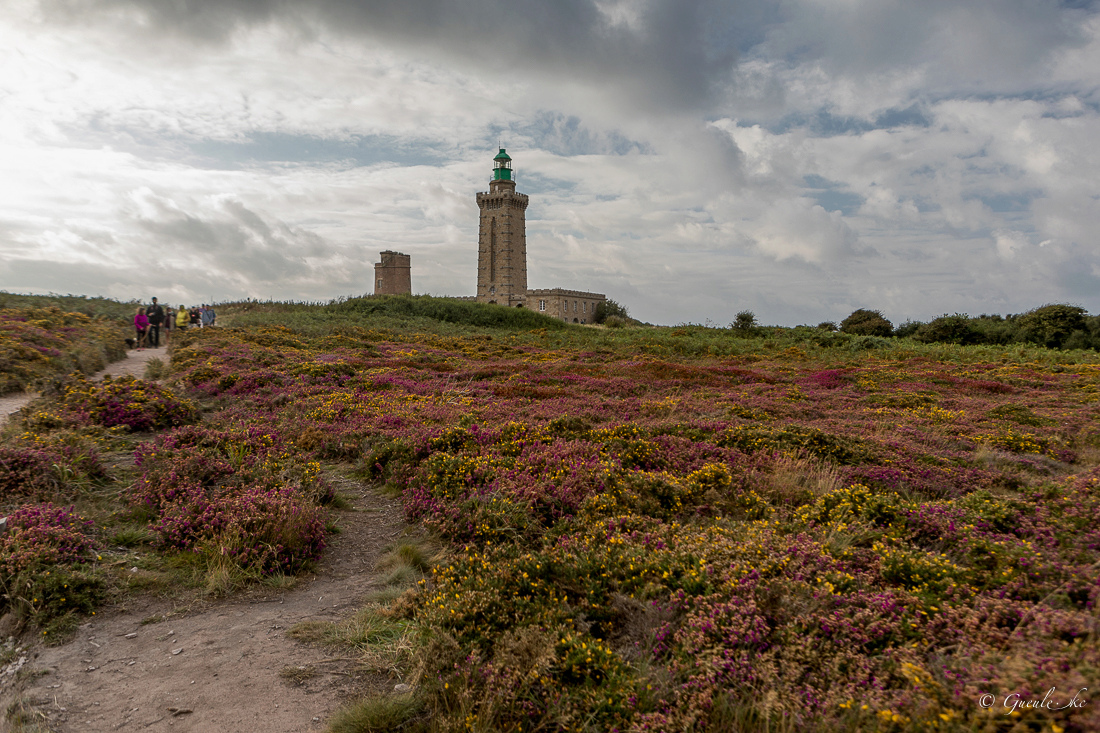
[644, 529]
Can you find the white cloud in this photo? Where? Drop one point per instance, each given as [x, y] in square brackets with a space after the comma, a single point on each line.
[915, 157]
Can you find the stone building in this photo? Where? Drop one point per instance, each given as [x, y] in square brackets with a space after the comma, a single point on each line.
[502, 239]
[502, 254]
[393, 275]
[574, 306]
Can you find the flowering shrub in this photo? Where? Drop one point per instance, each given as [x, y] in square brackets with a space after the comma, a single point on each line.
[36, 343]
[257, 528]
[648, 542]
[658, 530]
[43, 534]
[233, 494]
[42, 473]
[46, 573]
[126, 401]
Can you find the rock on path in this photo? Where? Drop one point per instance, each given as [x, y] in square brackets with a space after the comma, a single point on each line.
[134, 364]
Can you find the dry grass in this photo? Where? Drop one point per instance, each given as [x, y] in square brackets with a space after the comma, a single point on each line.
[800, 480]
[384, 641]
[1088, 455]
[409, 559]
[381, 715]
[298, 675]
[24, 717]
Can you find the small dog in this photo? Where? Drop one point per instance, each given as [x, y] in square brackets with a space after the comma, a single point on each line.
[131, 343]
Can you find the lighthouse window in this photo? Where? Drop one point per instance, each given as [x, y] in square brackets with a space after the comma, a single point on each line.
[542, 305]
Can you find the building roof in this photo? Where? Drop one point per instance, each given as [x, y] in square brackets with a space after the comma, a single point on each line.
[502, 155]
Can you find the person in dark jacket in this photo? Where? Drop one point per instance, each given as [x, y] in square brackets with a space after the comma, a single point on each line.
[155, 315]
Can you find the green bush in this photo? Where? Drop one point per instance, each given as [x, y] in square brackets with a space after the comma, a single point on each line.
[956, 329]
[863, 322]
[1052, 325]
[610, 309]
[744, 321]
[1081, 340]
[449, 310]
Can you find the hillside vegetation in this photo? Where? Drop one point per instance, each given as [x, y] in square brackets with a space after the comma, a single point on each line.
[647, 529]
[44, 337]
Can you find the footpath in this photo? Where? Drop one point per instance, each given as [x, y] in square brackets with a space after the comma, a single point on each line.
[174, 662]
[134, 364]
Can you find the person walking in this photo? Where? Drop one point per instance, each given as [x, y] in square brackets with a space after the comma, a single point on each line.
[195, 318]
[155, 314]
[183, 318]
[207, 316]
[169, 324]
[141, 326]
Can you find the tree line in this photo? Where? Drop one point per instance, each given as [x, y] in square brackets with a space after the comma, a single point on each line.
[1056, 326]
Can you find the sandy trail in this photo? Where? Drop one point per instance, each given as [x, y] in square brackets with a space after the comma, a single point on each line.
[218, 669]
[215, 668]
[134, 364]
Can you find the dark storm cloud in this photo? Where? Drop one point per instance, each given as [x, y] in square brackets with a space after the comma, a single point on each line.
[667, 53]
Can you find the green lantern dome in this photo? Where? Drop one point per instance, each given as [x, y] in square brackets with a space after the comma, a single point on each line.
[502, 168]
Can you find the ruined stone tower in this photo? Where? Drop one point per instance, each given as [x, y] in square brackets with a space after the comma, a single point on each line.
[502, 239]
[393, 275]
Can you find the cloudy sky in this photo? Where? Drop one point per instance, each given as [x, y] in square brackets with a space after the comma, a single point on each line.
[690, 158]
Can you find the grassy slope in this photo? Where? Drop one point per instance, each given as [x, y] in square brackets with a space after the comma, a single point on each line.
[902, 475]
[44, 337]
[668, 528]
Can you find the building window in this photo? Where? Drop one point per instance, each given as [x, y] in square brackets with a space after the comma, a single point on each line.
[542, 305]
[379, 282]
[493, 290]
[574, 306]
[584, 307]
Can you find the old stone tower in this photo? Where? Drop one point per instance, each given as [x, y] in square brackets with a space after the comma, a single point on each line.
[502, 239]
[393, 275]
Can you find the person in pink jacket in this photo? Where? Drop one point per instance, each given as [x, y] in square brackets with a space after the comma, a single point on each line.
[141, 325]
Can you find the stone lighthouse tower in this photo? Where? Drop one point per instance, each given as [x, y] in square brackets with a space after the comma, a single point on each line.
[502, 239]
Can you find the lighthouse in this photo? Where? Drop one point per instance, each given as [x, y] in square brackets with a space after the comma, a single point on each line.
[502, 239]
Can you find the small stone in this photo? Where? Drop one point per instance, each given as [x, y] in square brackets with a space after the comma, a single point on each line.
[402, 688]
[131, 635]
[177, 651]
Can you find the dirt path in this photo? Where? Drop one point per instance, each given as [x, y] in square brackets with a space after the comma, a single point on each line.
[218, 669]
[214, 668]
[134, 364]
